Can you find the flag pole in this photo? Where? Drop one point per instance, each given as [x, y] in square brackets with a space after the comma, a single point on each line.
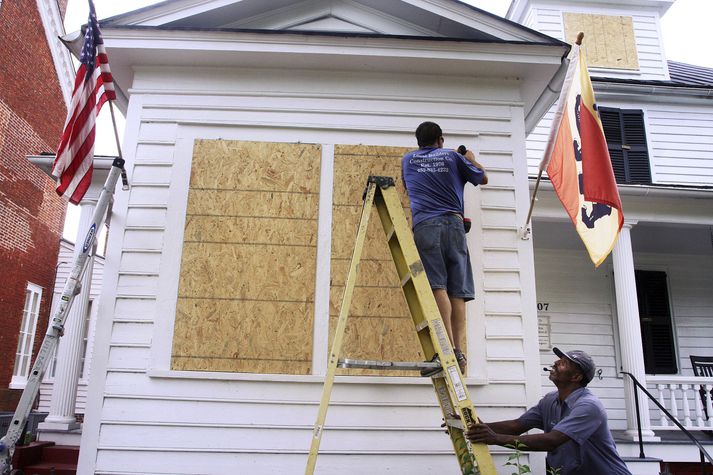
[524, 231]
[124, 179]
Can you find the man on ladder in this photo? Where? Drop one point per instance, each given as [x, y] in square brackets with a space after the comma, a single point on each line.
[435, 178]
[443, 211]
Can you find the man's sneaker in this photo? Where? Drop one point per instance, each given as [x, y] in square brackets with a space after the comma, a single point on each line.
[427, 372]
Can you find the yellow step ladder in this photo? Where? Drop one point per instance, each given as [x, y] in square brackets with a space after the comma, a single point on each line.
[451, 391]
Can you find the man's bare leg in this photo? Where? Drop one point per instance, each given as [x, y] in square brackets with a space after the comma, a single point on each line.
[457, 320]
[452, 310]
[444, 307]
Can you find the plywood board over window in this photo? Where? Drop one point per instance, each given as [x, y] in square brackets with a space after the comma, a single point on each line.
[609, 41]
[246, 289]
[379, 325]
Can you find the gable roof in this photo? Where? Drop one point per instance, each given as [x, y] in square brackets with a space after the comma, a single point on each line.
[394, 36]
[447, 19]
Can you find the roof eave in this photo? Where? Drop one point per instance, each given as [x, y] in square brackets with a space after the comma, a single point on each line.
[533, 63]
[652, 88]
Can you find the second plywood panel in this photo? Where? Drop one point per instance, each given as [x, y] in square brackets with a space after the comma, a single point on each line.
[379, 325]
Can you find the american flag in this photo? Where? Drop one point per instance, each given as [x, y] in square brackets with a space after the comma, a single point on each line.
[93, 86]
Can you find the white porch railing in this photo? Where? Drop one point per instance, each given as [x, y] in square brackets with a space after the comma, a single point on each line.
[680, 395]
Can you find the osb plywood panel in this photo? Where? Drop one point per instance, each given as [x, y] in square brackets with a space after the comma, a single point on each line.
[609, 41]
[379, 325]
[246, 288]
[202, 326]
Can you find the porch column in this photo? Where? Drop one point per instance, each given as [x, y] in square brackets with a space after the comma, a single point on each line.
[632, 350]
[69, 352]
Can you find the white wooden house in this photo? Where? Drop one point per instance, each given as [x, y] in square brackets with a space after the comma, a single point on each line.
[251, 127]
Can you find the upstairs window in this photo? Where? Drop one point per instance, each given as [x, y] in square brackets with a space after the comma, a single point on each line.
[609, 41]
[26, 339]
[626, 139]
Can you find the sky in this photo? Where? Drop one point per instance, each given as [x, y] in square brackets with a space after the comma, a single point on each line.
[683, 28]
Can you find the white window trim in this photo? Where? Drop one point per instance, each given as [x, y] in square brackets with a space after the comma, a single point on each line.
[19, 381]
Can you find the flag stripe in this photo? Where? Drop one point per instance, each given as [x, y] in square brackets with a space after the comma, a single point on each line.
[562, 171]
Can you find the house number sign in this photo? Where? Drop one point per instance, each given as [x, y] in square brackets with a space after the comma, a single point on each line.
[543, 327]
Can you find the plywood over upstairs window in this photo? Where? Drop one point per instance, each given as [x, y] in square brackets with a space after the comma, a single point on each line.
[246, 288]
[609, 41]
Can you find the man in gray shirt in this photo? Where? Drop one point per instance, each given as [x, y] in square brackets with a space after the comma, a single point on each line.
[576, 433]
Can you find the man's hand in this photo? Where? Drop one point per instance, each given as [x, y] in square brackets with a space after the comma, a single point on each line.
[482, 434]
[470, 156]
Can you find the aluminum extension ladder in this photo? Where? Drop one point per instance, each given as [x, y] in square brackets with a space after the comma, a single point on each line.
[55, 329]
[451, 392]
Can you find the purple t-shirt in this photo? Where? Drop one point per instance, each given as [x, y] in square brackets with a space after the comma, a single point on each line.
[434, 179]
[591, 450]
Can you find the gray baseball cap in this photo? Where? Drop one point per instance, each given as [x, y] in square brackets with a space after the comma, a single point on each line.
[582, 360]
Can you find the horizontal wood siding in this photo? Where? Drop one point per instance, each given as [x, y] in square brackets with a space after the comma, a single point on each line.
[579, 303]
[174, 423]
[681, 144]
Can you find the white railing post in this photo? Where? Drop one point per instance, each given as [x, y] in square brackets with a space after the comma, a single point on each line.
[662, 400]
[686, 406]
[674, 405]
[699, 407]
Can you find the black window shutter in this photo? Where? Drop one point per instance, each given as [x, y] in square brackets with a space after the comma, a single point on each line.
[626, 139]
[655, 317]
[638, 152]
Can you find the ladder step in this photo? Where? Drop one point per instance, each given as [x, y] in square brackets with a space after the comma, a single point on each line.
[388, 365]
[455, 423]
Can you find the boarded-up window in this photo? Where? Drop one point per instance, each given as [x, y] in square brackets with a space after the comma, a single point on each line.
[379, 326]
[246, 289]
[625, 132]
[655, 316]
[609, 41]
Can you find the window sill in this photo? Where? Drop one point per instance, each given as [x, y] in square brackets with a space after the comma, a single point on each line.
[292, 378]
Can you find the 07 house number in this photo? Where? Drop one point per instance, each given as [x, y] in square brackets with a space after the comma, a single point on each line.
[543, 306]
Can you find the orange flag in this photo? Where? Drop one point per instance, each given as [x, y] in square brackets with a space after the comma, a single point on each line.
[578, 164]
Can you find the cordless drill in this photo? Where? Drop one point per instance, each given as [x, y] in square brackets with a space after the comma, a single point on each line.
[466, 221]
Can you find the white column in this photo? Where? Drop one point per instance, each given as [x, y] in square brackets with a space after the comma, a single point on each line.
[632, 350]
[69, 352]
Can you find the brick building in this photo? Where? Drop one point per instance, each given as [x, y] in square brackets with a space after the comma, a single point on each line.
[35, 82]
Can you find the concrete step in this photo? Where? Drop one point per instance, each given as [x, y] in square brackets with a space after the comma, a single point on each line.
[643, 466]
[60, 437]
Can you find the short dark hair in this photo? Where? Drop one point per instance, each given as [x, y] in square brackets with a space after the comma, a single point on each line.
[427, 133]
